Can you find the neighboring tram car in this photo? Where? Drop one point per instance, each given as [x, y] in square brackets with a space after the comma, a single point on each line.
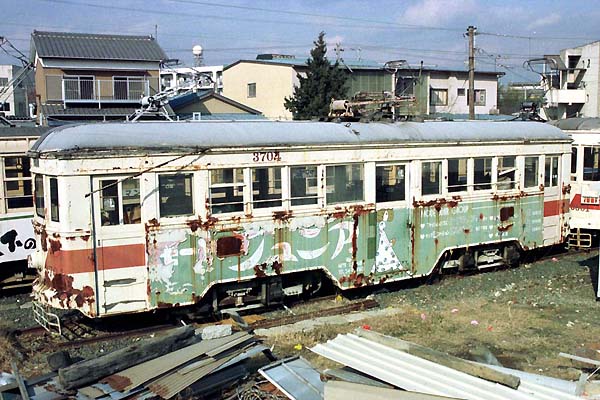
[585, 179]
[138, 216]
[17, 239]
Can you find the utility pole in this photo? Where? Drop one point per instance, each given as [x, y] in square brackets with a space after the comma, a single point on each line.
[471, 98]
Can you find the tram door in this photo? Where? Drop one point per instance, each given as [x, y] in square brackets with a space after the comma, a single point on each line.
[553, 199]
[121, 258]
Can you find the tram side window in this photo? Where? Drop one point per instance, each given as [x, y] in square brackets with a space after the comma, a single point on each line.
[531, 171]
[39, 196]
[175, 192]
[591, 165]
[226, 190]
[54, 216]
[303, 185]
[482, 176]
[551, 171]
[457, 175]
[344, 183]
[390, 183]
[266, 187]
[507, 172]
[574, 163]
[431, 177]
[120, 202]
[17, 183]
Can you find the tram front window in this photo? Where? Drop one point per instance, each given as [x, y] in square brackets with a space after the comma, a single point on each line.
[591, 163]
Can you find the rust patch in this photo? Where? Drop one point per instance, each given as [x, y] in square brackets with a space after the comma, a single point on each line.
[506, 213]
[467, 231]
[438, 203]
[152, 224]
[277, 267]
[338, 214]
[436, 241]
[55, 245]
[566, 189]
[480, 216]
[282, 216]
[504, 228]
[63, 285]
[85, 238]
[260, 270]
[229, 246]
[496, 197]
[209, 223]
[161, 304]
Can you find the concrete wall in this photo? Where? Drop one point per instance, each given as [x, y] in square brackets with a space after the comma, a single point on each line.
[453, 81]
[16, 97]
[273, 84]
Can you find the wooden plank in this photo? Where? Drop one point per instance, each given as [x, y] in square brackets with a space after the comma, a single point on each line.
[580, 359]
[337, 390]
[438, 357]
[88, 371]
[20, 381]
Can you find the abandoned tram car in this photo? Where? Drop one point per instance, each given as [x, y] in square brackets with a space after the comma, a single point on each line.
[134, 217]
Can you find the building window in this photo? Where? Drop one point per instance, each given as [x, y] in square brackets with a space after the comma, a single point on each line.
[252, 90]
[506, 172]
[39, 196]
[482, 176]
[120, 202]
[591, 164]
[390, 183]
[460, 92]
[226, 190]
[303, 185]
[17, 183]
[79, 87]
[479, 97]
[3, 82]
[129, 87]
[431, 181]
[266, 187]
[175, 193]
[438, 97]
[344, 183]
[54, 215]
[531, 171]
[574, 163]
[457, 175]
[551, 171]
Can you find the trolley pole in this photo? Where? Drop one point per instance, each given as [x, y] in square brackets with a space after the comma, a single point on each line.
[471, 97]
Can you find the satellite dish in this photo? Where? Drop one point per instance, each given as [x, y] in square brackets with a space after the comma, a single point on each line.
[197, 50]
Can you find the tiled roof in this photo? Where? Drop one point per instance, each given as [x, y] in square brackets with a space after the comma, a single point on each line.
[50, 110]
[23, 131]
[96, 47]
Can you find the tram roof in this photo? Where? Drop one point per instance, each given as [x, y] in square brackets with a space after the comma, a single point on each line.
[177, 137]
[577, 124]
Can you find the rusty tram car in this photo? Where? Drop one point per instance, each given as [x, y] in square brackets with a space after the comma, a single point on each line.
[133, 217]
[585, 179]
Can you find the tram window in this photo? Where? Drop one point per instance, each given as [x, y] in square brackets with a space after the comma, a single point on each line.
[266, 187]
[390, 183]
[531, 171]
[431, 173]
[54, 216]
[482, 177]
[120, 202]
[457, 175]
[175, 193]
[344, 183]
[39, 196]
[591, 165]
[226, 190]
[17, 183]
[551, 171]
[303, 185]
[574, 163]
[506, 172]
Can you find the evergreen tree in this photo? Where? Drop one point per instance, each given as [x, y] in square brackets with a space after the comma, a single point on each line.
[323, 82]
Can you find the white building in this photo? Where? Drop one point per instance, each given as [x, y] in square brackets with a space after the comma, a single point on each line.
[571, 82]
[211, 77]
[14, 97]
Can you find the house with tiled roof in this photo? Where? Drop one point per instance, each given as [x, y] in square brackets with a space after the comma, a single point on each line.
[92, 77]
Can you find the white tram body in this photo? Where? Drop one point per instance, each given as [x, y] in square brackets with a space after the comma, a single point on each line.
[139, 216]
[17, 240]
[585, 178]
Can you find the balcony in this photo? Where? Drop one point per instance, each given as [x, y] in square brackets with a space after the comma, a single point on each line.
[566, 96]
[88, 89]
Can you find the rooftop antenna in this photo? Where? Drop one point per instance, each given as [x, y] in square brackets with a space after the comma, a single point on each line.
[198, 56]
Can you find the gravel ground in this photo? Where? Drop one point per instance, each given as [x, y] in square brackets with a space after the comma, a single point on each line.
[524, 316]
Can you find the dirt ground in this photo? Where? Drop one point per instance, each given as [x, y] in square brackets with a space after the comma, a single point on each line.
[524, 317]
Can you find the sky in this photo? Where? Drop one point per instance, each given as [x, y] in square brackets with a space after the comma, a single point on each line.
[509, 32]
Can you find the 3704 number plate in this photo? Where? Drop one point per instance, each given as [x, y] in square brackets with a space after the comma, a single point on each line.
[261, 156]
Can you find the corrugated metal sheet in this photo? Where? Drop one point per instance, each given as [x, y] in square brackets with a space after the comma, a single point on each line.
[413, 373]
[296, 378]
[167, 136]
[96, 46]
[344, 391]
